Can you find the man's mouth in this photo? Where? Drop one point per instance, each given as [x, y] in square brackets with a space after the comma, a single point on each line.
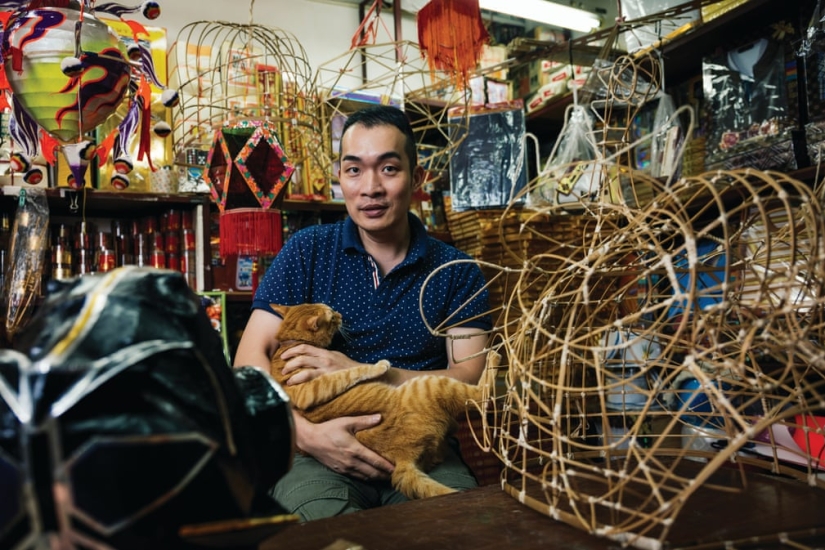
[373, 209]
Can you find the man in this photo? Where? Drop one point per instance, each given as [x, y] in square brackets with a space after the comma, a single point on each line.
[371, 268]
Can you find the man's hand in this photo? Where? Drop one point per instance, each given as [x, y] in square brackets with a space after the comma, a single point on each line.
[314, 362]
[334, 445]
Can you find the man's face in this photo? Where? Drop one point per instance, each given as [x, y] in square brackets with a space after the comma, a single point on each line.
[375, 177]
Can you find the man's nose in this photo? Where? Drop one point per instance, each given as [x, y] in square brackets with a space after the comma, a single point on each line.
[372, 183]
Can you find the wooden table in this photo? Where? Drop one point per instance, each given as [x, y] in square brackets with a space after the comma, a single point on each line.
[488, 518]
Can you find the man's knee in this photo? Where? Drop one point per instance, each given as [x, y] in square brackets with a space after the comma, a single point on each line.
[314, 498]
[312, 491]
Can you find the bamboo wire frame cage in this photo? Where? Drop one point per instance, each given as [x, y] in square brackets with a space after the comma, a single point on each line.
[229, 73]
[396, 73]
[666, 330]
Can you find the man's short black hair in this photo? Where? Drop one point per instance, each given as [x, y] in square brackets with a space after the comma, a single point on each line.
[381, 115]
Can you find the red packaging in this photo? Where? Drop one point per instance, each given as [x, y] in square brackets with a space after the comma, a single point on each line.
[187, 262]
[188, 239]
[186, 220]
[156, 240]
[172, 239]
[173, 261]
[157, 259]
[173, 220]
[105, 260]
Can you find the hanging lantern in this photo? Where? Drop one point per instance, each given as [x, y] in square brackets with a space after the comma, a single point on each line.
[451, 35]
[68, 86]
[65, 73]
[247, 166]
[247, 170]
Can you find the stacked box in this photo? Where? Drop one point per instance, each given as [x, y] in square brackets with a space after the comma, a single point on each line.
[556, 79]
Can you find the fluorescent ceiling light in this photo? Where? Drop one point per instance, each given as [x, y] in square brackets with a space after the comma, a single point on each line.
[545, 12]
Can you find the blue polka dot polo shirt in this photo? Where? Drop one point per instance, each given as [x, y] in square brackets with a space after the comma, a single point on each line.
[328, 264]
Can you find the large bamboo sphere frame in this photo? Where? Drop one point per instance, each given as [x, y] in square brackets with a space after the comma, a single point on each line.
[662, 332]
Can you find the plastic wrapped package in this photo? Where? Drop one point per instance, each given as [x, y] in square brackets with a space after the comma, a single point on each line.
[123, 426]
[487, 169]
[29, 242]
[745, 90]
[571, 174]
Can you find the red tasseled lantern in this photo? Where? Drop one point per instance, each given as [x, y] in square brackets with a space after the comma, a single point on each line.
[451, 35]
[247, 171]
[250, 232]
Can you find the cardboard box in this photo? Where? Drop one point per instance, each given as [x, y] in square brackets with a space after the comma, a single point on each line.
[549, 35]
[491, 56]
[545, 94]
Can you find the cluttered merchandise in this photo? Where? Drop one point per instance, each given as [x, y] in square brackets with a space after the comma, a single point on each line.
[615, 213]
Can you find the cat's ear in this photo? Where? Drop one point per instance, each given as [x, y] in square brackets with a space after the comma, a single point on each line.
[312, 322]
[279, 309]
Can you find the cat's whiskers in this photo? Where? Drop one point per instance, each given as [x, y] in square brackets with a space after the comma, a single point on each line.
[344, 332]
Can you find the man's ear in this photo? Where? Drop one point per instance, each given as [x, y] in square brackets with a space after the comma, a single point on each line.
[417, 177]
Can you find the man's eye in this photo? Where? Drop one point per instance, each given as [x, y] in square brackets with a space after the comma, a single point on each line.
[391, 169]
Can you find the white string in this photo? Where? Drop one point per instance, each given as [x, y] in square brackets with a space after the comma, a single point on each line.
[250, 29]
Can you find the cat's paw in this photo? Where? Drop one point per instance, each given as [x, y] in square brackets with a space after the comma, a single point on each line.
[383, 365]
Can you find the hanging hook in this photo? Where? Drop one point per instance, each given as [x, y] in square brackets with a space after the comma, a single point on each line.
[73, 206]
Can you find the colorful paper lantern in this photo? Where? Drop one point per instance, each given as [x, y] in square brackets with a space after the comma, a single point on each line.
[250, 232]
[67, 72]
[452, 34]
[35, 45]
[247, 167]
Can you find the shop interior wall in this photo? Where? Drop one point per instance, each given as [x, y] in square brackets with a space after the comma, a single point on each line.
[324, 28]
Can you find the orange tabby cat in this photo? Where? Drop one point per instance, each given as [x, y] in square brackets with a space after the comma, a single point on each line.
[416, 416]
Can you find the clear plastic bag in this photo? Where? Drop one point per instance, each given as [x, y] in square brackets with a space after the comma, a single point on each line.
[571, 173]
[668, 135]
[29, 242]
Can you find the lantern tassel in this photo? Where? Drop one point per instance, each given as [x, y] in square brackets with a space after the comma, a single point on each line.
[451, 36]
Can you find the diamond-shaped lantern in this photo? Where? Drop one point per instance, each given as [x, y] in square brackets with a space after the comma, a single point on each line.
[247, 171]
[247, 167]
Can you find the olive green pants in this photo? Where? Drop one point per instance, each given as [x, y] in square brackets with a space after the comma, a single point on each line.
[313, 491]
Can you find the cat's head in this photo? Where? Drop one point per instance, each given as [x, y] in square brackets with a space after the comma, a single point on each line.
[312, 323]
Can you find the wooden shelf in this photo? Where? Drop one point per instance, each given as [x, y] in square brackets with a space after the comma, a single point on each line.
[108, 203]
[553, 111]
[239, 296]
[64, 201]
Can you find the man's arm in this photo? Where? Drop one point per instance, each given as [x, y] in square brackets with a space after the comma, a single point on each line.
[465, 350]
[258, 343]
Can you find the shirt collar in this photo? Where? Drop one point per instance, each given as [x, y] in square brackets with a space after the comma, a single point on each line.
[418, 238]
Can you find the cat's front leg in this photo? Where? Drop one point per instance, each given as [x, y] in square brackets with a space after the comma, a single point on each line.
[329, 386]
[378, 369]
